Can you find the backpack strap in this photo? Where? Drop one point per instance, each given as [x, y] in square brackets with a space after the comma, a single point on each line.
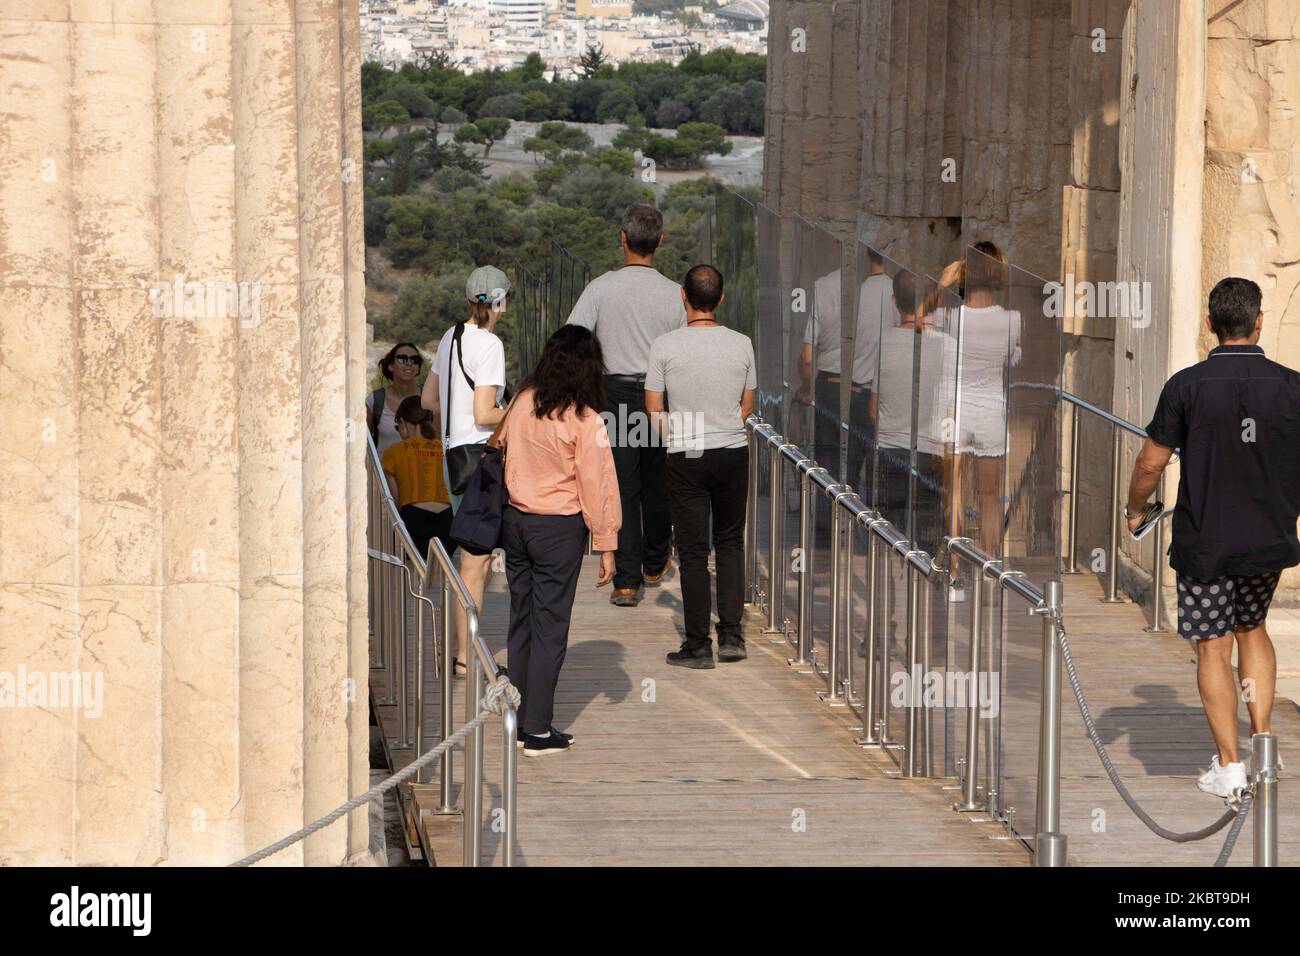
[460, 353]
[378, 399]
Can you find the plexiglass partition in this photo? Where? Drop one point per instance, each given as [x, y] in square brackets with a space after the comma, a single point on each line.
[1031, 527]
[735, 254]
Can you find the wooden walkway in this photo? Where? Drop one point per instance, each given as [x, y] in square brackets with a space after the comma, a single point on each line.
[745, 765]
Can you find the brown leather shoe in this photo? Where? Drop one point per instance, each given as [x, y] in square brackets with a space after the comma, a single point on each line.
[654, 580]
[623, 597]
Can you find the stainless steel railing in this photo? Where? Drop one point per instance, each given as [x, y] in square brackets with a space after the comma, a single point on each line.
[1119, 428]
[400, 574]
[885, 539]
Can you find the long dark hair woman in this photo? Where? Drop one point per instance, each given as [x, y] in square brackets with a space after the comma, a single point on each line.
[401, 367]
[561, 481]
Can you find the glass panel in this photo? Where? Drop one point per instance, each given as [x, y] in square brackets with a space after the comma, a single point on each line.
[527, 318]
[735, 245]
[874, 309]
[1031, 522]
[895, 393]
[770, 340]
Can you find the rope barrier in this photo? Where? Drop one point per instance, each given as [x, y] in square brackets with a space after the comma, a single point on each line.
[1235, 815]
[493, 696]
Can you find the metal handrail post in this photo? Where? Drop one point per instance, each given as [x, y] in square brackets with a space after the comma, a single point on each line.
[806, 583]
[970, 783]
[420, 664]
[751, 520]
[386, 612]
[445, 717]
[472, 800]
[403, 701]
[372, 538]
[776, 561]
[833, 690]
[509, 784]
[1158, 625]
[1112, 569]
[911, 730]
[1263, 765]
[1050, 843]
[846, 650]
[1071, 558]
[870, 729]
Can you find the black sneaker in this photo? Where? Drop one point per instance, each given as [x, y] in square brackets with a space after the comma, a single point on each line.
[686, 656]
[732, 651]
[552, 743]
[520, 735]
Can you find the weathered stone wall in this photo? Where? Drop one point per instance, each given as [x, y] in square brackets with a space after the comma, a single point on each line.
[182, 509]
[1251, 224]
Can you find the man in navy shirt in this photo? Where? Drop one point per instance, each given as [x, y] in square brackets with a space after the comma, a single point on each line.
[1235, 421]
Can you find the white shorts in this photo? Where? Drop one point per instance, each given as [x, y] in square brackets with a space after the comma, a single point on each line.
[981, 430]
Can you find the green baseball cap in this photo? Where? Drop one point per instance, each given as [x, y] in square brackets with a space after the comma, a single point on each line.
[487, 284]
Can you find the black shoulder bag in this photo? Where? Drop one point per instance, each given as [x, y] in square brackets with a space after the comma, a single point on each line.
[463, 460]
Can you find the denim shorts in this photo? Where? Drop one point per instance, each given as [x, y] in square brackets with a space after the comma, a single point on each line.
[1215, 608]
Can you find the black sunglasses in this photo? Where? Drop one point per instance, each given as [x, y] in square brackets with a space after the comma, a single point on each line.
[415, 360]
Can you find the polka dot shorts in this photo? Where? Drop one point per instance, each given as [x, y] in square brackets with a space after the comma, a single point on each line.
[1216, 608]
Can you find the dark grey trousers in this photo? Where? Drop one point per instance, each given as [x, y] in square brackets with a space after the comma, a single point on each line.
[543, 561]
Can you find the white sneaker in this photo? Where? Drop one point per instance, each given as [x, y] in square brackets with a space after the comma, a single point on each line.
[1223, 781]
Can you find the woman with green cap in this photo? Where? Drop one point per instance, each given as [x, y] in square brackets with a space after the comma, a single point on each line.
[465, 389]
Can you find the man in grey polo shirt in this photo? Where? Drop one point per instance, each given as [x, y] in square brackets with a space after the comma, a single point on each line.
[628, 309]
[707, 373]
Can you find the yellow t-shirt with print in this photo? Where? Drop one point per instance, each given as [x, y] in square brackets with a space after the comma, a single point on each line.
[416, 463]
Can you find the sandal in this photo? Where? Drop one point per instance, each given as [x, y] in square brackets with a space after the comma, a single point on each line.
[456, 662]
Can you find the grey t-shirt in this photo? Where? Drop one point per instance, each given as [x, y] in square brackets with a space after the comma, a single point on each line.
[704, 371]
[628, 309]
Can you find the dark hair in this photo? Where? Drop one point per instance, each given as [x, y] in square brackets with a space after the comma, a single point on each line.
[905, 292]
[984, 272]
[386, 363]
[481, 311]
[874, 258]
[644, 226]
[703, 287]
[570, 373]
[413, 413]
[1234, 304]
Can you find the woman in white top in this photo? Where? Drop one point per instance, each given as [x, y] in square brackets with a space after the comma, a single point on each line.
[988, 344]
[401, 366]
[470, 352]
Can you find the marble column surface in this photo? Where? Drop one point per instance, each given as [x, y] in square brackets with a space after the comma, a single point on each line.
[182, 512]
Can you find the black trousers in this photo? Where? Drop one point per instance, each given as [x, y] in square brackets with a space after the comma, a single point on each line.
[543, 561]
[827, 429]
[646, 534]
[926, 510]
[425, 525]
[714, 484]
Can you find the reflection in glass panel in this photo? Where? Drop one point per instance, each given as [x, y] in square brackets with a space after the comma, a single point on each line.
[988, 346]
[770, 340]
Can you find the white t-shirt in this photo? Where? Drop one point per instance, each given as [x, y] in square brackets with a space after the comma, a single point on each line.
[875, 311]
[900, 351]
[386, 435]
[988, 342]
[485, 362]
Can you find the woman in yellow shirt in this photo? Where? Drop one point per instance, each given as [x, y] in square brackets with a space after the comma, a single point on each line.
[413, 467]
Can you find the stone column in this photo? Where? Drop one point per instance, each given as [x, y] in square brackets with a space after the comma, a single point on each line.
[1252, 171]
[181, 342]
[1089, 233]
[1162, 148]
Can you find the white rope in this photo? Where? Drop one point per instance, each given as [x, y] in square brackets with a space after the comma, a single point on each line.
[498, 691]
